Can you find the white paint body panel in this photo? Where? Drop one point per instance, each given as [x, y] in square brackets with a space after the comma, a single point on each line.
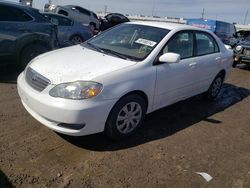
[163, 84]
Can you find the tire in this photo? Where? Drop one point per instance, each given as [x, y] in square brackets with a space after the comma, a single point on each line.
[235, 64]
[131, 111]
[92, 26]
[76, 39]
[214, 88]
[29, 52]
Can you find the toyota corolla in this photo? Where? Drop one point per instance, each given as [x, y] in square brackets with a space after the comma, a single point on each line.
[110, 82]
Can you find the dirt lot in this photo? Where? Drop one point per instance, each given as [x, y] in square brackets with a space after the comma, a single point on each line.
[177, 141]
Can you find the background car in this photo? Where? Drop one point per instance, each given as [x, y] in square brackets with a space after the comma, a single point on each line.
[242, 35]
[242, 51]
[24, 34]
[111, 20]
[77, 13]
[69, 31]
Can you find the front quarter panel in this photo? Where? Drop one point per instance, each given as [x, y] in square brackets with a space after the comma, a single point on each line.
[139, 77]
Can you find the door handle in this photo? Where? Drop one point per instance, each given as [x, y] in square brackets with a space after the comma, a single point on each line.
[217, 58]
[192, 64]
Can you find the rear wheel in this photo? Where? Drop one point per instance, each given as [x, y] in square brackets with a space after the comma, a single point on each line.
[126, 117]
[215, 87]
[235, 64]
[92, 26]
[30, 52]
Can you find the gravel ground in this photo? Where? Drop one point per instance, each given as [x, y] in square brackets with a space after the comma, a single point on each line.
[175, 142]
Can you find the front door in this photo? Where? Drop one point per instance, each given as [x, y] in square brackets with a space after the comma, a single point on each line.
[174, 80]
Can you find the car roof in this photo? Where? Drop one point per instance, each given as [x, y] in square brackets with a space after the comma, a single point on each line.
[165, 25]
[18, 5]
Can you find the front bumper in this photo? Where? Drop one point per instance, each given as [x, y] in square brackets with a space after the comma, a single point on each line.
[242, 58]
[52, 112]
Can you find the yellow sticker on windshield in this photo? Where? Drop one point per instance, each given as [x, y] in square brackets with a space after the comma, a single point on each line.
[146, 42]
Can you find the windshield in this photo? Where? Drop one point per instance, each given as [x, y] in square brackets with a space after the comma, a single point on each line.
[129, 41]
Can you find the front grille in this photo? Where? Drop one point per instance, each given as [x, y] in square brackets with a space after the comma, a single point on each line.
[36, 80]
[246, 51]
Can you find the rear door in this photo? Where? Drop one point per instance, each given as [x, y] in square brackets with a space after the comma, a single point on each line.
[207, 58]
[64, 26]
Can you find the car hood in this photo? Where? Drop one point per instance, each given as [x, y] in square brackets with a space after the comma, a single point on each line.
[76, 63]
[244, 43]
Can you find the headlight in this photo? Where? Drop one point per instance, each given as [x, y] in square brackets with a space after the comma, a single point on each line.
[238, 48]
[76, 90]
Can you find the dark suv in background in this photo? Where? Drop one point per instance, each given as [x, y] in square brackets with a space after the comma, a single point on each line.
[112, 19]
[24, 34]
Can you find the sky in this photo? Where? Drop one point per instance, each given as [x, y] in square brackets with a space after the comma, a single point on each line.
[225, 10]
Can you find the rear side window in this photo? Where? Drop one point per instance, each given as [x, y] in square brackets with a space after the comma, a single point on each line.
[205, 44]
[63, 12]
[83, 11]
[232, 29]
[222, 27]
[64, 22]
[13, 14]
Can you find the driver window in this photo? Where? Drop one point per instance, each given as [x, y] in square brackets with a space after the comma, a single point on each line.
[181, 43]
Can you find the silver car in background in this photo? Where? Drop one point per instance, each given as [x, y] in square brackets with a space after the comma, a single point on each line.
[69, 32]
[77, 13]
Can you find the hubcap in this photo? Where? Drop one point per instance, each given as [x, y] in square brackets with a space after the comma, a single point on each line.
[129, 117]
[77, 40]
[216, 86]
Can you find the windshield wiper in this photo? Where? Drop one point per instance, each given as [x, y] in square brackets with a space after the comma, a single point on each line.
[105, 50]
[117, 54]
[94, 47]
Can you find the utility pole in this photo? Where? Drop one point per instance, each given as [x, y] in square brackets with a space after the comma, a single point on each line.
[105, 9]
[202, 14]
[245, 19]
[153, 8]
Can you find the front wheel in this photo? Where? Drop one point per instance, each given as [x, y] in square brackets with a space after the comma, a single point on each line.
[76, 39]
[215, 87]
[126, 117]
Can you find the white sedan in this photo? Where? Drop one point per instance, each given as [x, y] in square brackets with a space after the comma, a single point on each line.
[111, 81]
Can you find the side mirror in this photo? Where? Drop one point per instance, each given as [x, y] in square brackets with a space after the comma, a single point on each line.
[228, 47]
[170, 58]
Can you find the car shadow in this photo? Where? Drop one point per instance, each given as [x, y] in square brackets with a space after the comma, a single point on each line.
[9, 74]
[4, 181]
[167, 121]
[244, 66]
